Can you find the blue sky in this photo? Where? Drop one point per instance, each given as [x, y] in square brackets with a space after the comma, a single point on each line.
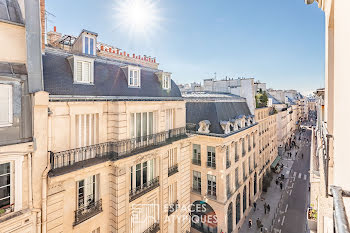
[280, 42]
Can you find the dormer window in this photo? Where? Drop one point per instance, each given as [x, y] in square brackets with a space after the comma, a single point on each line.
[134, 74]
[89, 45]
[166, 81]
[83, 69]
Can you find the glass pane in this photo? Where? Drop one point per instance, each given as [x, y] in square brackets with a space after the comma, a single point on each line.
[131, 178]
[4, 168]
[4, 180]
[132, 125]
[150, 123]
[138, 175]
[144, 173]
[5, 202]
[4, 192]
[91, 46]
[86, 51]
[138, 124]
[144, 124]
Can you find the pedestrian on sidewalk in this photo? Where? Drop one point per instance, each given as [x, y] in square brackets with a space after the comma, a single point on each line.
[265, 207]
[254, 204]
[250, 223]
[268, 208]
[281, 185]
[302, 156]
[258, 223]
[276, 181]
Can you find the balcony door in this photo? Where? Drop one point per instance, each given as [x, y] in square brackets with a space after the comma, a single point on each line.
[141, 126]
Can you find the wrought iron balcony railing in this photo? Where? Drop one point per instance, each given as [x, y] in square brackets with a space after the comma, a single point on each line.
[153, 228]
[211, 164]
[173, 207]
[114, 150]
[196, 162]
[88, 211]
[143, 189]
[173, 169]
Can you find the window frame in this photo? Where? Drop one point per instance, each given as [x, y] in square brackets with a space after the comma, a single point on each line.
[96, 187]
[166, 81]
[89, 45]
[133, 69]
[83, 60]
[10, 104]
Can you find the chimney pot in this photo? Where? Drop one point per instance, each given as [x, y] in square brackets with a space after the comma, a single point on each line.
[101, 47]
[54, 28]
[113, 51]
[133, 55]
[110, 50]
[124, 53]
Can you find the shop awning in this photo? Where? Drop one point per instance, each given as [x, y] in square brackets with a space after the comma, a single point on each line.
[274, 164]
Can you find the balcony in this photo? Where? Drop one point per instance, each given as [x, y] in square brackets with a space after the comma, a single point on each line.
[113, 150]
[228, 164]
[153, 229]
[196, 162]
[86, 212]
[173, 207]
[145, 188]
[211, 165]
[173, 169]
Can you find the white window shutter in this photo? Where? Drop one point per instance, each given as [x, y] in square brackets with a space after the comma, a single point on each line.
[86, 72]
[79, 71]
[5, 104]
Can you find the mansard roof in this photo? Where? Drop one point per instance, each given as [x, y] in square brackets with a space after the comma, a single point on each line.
[10, 11]
[109, 80]
[215, 112]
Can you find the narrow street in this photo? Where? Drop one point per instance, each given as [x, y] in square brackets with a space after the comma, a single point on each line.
[291, 218]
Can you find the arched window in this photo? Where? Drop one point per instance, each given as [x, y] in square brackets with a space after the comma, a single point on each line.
[229, 219]
[238, 208]
[244, 198]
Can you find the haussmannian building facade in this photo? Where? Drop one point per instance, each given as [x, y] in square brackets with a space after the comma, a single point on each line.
[226, 166]
[112, 133]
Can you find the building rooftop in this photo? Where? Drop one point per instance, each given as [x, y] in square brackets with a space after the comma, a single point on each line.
[211, 96]
[10, 11]
[215, 112]
[110, 79]
[274, 100]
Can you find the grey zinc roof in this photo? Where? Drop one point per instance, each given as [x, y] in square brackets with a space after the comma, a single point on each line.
[109, 80]
[10, 11]
[274, 100]
[215, 112]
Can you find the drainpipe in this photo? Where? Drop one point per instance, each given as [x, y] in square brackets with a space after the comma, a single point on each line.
[30, 195]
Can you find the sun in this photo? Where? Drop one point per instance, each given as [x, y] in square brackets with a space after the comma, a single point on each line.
[137, 16]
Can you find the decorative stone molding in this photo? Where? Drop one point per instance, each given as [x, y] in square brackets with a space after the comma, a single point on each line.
[225, 125]
[204, 126]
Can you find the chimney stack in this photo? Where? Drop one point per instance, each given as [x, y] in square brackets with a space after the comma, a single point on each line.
[53, 37]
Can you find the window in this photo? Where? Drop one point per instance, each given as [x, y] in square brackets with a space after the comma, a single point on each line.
[83, 70]
[236, 177]
[141, 124]
[172, 191]
[5, 185]
[228, 189]
[211, 161]
[87, 191]
[6, 109]
[134, 77]
[197, 181]
[89, 45]
[166, 81]
[212, 185]
[86, 129]
[172, 155]
[169, 119]
[141, 173]
[244, 174]
[196, 159]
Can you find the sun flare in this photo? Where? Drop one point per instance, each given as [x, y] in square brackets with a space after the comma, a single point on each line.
[138, 16]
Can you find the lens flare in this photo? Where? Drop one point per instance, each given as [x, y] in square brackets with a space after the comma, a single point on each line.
[137, 16]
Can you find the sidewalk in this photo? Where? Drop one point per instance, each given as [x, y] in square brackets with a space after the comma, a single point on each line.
[271, 197]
